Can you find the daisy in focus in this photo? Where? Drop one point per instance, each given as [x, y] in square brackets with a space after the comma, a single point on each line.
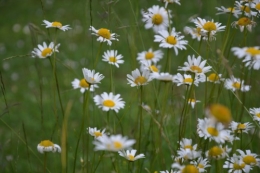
[256, 113]
[83, 85]
[44, 51]
[244, 22]
[150, 55]
[237, 127]
[218, 152]
[95, 132]
[235, 164]
[139, 78]
[235, 84]
[113, 58]
[56, 24]
[48, 146]
[223, 10]
[92, 77]
[249, 158]
[109, 102]
[156, 17]
[171, 39]
[130, 155]
[104, 35]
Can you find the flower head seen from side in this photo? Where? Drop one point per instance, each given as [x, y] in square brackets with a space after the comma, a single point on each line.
[171, 39]
[48, 146]
[150, 55]
[92, 77]
[44, 51]
[235, 84]
[201, 164]
[167, 2]
[223, 10]
[164, 77]
[113, 58]
[83, 85]
[214, 78]
[256, 113]
[148, 65]
[56, 24]
[194, 32]
[188, 151]
[244, 22]
[235, 164]
[187, 79]
[104, 35]
[113, 143]
[156, 17]
[192, 102]
[237, 127]
[130, 155]
[218, 152]
[139, 78]
[109, 101]
[95, 132]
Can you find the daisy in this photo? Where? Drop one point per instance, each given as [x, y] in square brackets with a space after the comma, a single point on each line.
[92, 77]
[235, 84]
[56, 25]
[164, 77]
[150, 55]
[214, 78]
[44, 51]
[171, 40]
[256, 113]
[185, 168]
[245, 8]
[244, 22]
[187, 79]
[113, 58]
[113, 143]
[201, 164]
[223, 10]
[139, 78]
[211, 130]
[104, 35]
[256, 6]
[130, 155]
[83, 85]
[109, 102]
[240, 127]
[170, 2]
[194, 32]
[208, 29]
[235, 164]
[192, 102]
[249, 158]
[95, 132]
[156, 17]
[219, 113]
[218, 152]
[195, 65]
[187, 150]
[47, 146]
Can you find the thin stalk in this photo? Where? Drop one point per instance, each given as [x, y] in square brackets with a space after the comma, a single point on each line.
[97, 56]
[140, 118]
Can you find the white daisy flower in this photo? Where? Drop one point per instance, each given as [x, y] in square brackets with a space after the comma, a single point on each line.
[245, 8]
[237, 127]
[139, 78]
[150, 55]
[249, 158]
[92, 77]
[113, 143]
[193, 102]
[214, 78]
[109, 102]
[156, 17]
[187, 150]
[83, 85]
[194, 32]
[130, 155]
[234, 84]
[104, 35]
[113, 58]
[164, 77]
[171, 40]
[218, 152]
[187, 79]
[47, 146]
[95, 132]
[201, 164]
[170, 2]
[235, 164]
[44, 51]
[224, 10]
[244, 22]
[256, 6]
[148, 65]
[56, 25]
[256, 113]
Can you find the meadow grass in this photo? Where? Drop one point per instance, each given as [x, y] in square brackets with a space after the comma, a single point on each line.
[38, 101]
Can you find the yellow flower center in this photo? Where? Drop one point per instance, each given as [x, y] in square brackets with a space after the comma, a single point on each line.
[140, 80]
[118, 145]
[213, 77]
[171, 40]
[56, 24]
[241, 126]
[112, 59]
[196, 69]
[131, 157]
[238, 167]
[103, 32]
[200, 165]
[215, 151]
[97, 134]
[149, 55]
[243, 21]
[153, 68]
[245, 8]
[257, 6]
[188, 80]
[190, 169]
[221, 113]
[212, 131]
[188, 147]
[46, 52]
[46, 143]
[109, 103]
[157, 19]
[191, 100]
[83, 83]
[253, 51]
[249, 160]
[210, 26]
[236, 85]
[258, 115]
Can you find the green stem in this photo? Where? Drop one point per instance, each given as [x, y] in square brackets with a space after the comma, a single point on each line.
[98, 54]
[140, 118]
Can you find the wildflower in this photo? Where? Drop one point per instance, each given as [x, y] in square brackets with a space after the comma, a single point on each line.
[130, 155]
[192, 102]
[240, 127]
[223, 10]
[187, 150]
[156, 17]
[194, 32]
[171, 40]
[218, 152]
[235, 84]
[245, 9]
[148, 66]
[164, 77]
[150, 55]
[139, 78]
[189, 168]
[109, 101]
[113, 58]
[248, 157]
[201, 164]
[56, 25]
[256, 6]
[208, 29]
[113, 143]
[256, 113]
[244, 22]
[92, 77]
[235, 164]
[95, 132]
[170, 2]
[44, 51]
[215, 78]
[83, 85]
[187, 79]
[219, 113]
[47, 146]
[104, 35]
